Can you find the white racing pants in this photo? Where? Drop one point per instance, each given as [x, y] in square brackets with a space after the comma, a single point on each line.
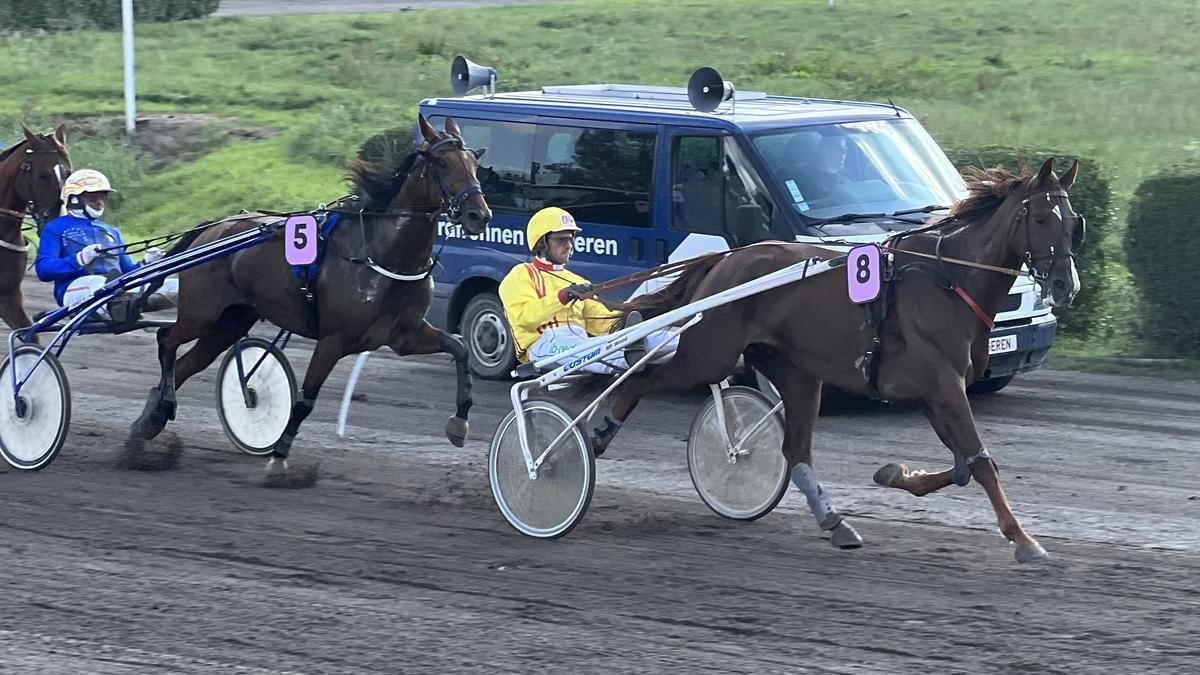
[84, 287]
[561, 339]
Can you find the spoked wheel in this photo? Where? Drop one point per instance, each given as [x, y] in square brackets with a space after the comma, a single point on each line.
[34, 426]
[254, 419]
[554, 502]
[749, 485]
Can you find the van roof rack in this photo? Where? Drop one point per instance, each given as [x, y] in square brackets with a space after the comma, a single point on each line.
[638, 92]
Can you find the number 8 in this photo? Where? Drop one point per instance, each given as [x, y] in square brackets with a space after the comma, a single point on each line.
[864, 269]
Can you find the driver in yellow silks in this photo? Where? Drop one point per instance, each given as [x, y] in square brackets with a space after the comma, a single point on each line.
[544, 302]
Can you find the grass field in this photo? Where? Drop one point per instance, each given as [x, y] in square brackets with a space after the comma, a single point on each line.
[1115, 81]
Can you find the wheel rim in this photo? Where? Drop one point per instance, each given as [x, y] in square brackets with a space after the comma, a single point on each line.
[30, 440]
[751, 486]
[553, 503]
[489, 339]
[255, 429]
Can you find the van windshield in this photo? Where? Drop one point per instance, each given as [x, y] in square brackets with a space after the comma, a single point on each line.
[880, 166]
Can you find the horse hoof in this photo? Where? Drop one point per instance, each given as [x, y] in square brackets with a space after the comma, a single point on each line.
[844, 537]
[456, 430]
[889, 474]
[1031, 554]
[148, 427]
[279, 475]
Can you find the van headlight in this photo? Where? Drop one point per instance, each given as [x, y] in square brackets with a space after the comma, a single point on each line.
[1039, 301]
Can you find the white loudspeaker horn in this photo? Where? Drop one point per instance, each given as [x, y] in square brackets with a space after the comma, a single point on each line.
[465, 76]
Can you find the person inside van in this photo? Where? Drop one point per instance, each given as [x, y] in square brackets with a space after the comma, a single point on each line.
[828, 174]
[545, 303]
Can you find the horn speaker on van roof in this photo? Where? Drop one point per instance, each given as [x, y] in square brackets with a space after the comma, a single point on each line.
[466, 75]
[707, 90]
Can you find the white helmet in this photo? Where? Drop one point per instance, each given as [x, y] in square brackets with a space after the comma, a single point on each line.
[80, 182]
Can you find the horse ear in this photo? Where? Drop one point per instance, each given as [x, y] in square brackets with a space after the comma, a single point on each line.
[452, 128]
[29, 135]
[1044, 173]
[60, 135]
[1068, 178]
[427, 130]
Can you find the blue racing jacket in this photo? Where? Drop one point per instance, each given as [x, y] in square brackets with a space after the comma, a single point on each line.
[66, 236]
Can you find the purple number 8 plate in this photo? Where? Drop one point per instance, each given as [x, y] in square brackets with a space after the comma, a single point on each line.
[864, 273]
[300, 240]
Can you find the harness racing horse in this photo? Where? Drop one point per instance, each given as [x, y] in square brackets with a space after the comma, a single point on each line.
[928, 346]
[31, 181]
[373, 289]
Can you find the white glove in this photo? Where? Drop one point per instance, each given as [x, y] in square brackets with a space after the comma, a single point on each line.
[153, 255]
[88, 254]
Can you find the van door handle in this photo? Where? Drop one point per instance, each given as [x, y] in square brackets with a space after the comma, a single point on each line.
[660, 249]
[636, 247]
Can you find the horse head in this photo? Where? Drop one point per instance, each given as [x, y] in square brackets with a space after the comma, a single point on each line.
[43, 166]
[453, 167]
[1049, 234]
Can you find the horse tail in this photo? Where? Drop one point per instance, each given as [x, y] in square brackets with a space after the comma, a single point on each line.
[676, 294]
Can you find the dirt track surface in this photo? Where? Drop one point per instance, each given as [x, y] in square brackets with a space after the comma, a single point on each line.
[398, 560]
[269, 7]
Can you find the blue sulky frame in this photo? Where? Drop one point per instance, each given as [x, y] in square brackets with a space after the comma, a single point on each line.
[79, 320]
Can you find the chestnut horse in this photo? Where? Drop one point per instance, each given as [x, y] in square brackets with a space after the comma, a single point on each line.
[360, 304]
[929, 345]
[32, 173]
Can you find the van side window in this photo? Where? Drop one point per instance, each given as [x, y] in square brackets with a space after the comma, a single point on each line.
[715, 191]
[697, 185]
[599, 175]
[504, 168]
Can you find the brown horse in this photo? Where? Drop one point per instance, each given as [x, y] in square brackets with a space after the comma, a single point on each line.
[931, 343]
[31, 181]
[359, 304]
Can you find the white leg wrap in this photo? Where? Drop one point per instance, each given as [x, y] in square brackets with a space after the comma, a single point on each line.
[805, 479]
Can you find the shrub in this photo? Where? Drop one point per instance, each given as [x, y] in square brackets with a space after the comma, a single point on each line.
[1162, 244]
[17, 15]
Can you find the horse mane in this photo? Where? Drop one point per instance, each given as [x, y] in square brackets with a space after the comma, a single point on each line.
[378, 182]
[7, 152]
[986, 190]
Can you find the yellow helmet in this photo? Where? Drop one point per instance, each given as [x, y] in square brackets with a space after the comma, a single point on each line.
[549, 219]
[85, 180]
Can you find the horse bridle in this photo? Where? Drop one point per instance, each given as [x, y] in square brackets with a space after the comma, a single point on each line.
[452, 206]
[452, 203]
[1076, 238]
[25, 170]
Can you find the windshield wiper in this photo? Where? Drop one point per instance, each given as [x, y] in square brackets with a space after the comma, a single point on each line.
[928, 209]
[856, 217]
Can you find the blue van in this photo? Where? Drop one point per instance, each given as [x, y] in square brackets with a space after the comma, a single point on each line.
[651, 179]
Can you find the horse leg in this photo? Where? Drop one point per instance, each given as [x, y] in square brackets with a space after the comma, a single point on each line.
[12, 310]
[429, 340]
[700, 359]
[160, 403]
[949, 413]
[328, 352]
[232, 325]
[801, 394]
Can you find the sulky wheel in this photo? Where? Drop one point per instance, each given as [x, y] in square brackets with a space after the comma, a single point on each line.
[749, 485]
[33, 427]
[254, 419]
[551, 504]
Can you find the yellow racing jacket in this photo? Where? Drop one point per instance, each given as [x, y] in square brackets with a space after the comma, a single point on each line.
[533, 299]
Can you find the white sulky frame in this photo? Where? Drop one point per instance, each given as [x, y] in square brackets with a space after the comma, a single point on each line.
[596, 349]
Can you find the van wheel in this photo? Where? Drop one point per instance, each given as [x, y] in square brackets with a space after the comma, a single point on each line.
[990, 385]
[488, 339]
